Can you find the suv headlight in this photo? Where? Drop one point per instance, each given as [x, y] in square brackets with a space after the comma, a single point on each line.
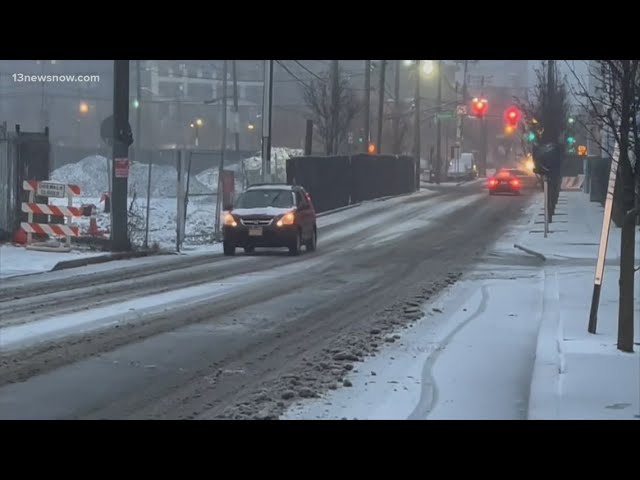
[229, 220]
[288, 218]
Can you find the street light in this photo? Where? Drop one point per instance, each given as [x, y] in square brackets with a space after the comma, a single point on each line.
[428, 66]
[197, 124]
[84, 107]
[251, 126]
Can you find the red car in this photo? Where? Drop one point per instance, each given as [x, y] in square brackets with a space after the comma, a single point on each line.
[504, 182]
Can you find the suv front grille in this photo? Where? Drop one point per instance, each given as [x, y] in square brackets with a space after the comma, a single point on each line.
[256, 222]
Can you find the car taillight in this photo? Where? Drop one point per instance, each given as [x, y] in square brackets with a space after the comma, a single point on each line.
[515, 182]
[493, 182]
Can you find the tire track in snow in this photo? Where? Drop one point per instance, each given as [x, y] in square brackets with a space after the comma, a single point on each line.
[429, 395]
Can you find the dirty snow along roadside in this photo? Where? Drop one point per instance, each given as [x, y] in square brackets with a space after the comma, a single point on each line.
[476, 360]
[435, 368]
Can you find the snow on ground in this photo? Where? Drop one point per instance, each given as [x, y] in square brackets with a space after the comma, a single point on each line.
[16, 261]
[253, 167]
[579, 375]
[30, 333]
[162, 219]
[463, 359]
[473, 353]
[92, 175]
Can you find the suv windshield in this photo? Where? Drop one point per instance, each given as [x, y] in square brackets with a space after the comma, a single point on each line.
[263, 198]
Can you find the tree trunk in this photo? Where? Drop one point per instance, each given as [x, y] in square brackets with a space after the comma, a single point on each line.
[627, 267]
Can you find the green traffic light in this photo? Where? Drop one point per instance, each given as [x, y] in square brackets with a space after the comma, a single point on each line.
[531, 137]
[571, 140]
[136, 103]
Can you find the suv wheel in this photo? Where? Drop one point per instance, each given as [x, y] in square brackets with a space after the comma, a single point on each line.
[295, 248]
[229, 249]
[313, 242]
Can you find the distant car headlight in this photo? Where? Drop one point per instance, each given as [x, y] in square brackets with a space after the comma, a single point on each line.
[530, 165]
[288, 218]
[229, 220]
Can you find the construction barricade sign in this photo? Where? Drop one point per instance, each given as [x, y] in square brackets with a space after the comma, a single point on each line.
[31, 208]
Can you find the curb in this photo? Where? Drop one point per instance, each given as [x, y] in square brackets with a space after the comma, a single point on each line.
[544, 390]
[379, 199]
[81, 262]
[337, 210]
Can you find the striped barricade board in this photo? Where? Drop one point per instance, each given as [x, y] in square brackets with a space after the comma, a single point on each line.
[67, 230]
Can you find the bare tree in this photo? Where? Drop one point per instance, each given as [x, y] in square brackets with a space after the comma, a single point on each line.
[399, 117]
[332, 126]
[615, 103]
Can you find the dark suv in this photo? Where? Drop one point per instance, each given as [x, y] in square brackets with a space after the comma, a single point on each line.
[270, 215]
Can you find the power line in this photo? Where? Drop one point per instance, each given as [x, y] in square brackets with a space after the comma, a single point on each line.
[307, 70]
[291, 73]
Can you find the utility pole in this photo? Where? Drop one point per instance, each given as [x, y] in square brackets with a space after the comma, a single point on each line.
[236, 119]
[267, 98]
[367, 103]
[335, 105]
[417, 125]
[396, 110]
[383, 68]
[460, 133]
[120, 164]
[138, 144]
[223, 145]
[438, 129]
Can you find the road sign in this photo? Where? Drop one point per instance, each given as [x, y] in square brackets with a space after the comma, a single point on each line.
[122, 167]
[52, 189]
[444, 115]
[461, 110]
[350, 138]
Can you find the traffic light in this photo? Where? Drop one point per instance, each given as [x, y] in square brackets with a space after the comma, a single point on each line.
[571, 140]
[479, 106]
[372, 148]
[512, 116]
[582, 150]
[509, 129]
[531, 137]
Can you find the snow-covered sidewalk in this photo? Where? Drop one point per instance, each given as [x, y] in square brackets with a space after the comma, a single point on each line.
[16, 261]
[513, 319]
[578, 375]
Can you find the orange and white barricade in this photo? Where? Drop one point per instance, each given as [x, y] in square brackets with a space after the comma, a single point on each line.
[67, 230]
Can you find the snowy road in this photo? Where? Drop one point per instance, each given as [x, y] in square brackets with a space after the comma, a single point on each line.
[212, 337]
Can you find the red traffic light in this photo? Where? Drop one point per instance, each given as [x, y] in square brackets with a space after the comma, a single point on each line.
[512, 116]
[479, 106]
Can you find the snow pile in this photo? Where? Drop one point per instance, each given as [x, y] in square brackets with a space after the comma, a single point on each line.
[253, 168]
[279, 157]
[209, 178]
[92, 175]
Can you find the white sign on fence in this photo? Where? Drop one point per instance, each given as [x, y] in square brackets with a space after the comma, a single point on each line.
[52, 189]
